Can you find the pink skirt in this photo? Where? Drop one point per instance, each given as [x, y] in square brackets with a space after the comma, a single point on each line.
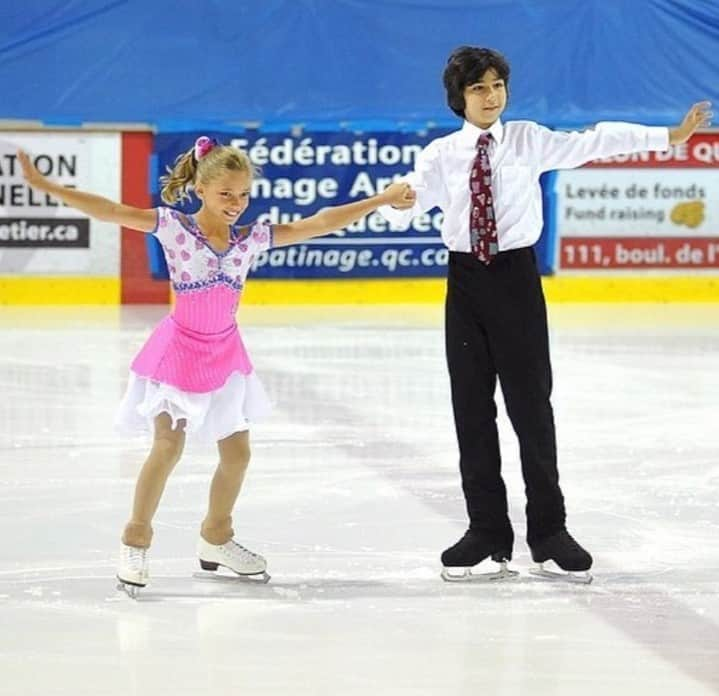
[190, 360]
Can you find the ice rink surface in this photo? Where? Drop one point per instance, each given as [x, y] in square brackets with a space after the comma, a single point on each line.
[353, 492]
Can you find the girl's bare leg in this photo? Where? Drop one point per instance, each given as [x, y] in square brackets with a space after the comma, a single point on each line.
[166, 450]
[226, 484]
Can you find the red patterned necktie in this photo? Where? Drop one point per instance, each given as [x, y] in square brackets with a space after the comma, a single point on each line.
[482, 227]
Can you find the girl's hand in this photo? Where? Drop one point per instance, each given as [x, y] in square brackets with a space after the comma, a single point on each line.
[399, 195]
[697, 117]
[30, 172]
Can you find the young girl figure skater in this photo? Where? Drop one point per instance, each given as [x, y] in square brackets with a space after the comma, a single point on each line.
[193, 376]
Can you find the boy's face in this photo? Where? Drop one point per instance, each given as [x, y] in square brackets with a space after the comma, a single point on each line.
[485, 99]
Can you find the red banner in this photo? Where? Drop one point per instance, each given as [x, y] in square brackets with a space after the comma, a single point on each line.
[639, 252]
[702, 151]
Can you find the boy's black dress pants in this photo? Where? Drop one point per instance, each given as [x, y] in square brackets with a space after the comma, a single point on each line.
[496, 326]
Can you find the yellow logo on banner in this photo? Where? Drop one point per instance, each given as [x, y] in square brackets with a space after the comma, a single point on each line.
[690, 214]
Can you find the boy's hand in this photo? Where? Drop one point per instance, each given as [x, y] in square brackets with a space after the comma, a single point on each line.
[399, 195]
[30, 172]
[697, 117]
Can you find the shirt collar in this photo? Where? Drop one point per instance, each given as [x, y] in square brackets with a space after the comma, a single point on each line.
[470, 132]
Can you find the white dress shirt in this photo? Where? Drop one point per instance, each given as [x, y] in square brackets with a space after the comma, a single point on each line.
[519, 152]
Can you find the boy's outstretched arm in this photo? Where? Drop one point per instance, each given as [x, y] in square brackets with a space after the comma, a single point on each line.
[336, 217]
[565, 150]
[89, 203]
[699, 116]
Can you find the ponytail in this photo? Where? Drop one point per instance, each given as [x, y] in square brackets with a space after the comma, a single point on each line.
[178, 180]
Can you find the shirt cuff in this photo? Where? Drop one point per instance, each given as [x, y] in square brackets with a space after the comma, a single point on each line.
[657, 138]
[394, 216]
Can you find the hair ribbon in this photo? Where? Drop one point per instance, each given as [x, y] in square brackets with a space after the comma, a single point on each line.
[203, 145]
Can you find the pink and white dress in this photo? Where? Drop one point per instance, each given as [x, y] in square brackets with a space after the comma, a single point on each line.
[194, 365]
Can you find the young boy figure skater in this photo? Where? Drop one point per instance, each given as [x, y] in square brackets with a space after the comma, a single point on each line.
[485, 178]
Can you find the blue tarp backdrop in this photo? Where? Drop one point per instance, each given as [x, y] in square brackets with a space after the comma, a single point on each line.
[183, 64]
[347, 71]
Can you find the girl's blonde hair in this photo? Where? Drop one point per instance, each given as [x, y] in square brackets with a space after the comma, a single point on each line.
[188, 170]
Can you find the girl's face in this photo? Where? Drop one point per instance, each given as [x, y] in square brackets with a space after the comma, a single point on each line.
[226, 196]
[485, 99]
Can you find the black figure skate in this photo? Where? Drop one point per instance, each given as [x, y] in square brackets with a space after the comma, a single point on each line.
[470, 550]
[567, 554]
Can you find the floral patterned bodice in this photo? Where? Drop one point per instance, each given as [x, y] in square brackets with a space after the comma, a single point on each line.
[207, 283]
[194, 264]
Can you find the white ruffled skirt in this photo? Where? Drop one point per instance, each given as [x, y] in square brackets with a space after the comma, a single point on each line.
[210, 416]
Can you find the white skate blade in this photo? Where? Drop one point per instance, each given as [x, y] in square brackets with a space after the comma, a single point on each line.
[254, 579]
[578, 578]
[467, 575]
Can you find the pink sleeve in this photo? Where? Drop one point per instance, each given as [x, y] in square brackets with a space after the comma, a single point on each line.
[164, 229]
[260, 236]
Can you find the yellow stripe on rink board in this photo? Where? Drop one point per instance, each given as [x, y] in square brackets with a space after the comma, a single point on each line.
[63, 290]
[699, 288]
[59, 290]
[557, 289]
[371, 291]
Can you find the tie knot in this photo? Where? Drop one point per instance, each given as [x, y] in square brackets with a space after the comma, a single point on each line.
[483, 140]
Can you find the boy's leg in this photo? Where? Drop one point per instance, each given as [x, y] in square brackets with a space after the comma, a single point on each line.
[473, 382]
[520, 342]
[226, 484]
[166, 450]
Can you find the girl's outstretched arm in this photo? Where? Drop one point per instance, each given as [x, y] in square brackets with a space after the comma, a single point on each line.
[95, 206]
[334, 218]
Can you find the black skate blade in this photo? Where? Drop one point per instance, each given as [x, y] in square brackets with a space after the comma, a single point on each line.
[467, 575]
[254, 579]
[575, 577]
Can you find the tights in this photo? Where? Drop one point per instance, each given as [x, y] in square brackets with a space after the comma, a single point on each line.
[166, 451]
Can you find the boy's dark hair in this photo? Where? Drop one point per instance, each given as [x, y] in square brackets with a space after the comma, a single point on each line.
[465, 66]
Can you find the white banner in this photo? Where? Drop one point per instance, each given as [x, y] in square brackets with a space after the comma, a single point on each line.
[638, 203]
[650, 211]
[39, 235]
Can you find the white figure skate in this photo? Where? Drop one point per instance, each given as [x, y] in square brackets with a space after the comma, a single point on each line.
[132, 571]
[246, 564]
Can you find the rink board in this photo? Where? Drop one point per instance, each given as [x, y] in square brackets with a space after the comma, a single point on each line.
[101, 290]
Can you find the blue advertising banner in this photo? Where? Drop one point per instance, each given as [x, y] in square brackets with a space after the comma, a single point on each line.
[302, 174]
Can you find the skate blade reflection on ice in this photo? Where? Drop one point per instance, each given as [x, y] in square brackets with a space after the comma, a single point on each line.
[466, 574]
[576, 577]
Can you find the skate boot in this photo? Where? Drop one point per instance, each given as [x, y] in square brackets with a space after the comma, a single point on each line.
[471, 549]
[132, 571]
[237, 558]
[567, 554]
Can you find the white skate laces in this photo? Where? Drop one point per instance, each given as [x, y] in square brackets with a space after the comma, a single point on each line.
[133, 567]
[230, 555]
